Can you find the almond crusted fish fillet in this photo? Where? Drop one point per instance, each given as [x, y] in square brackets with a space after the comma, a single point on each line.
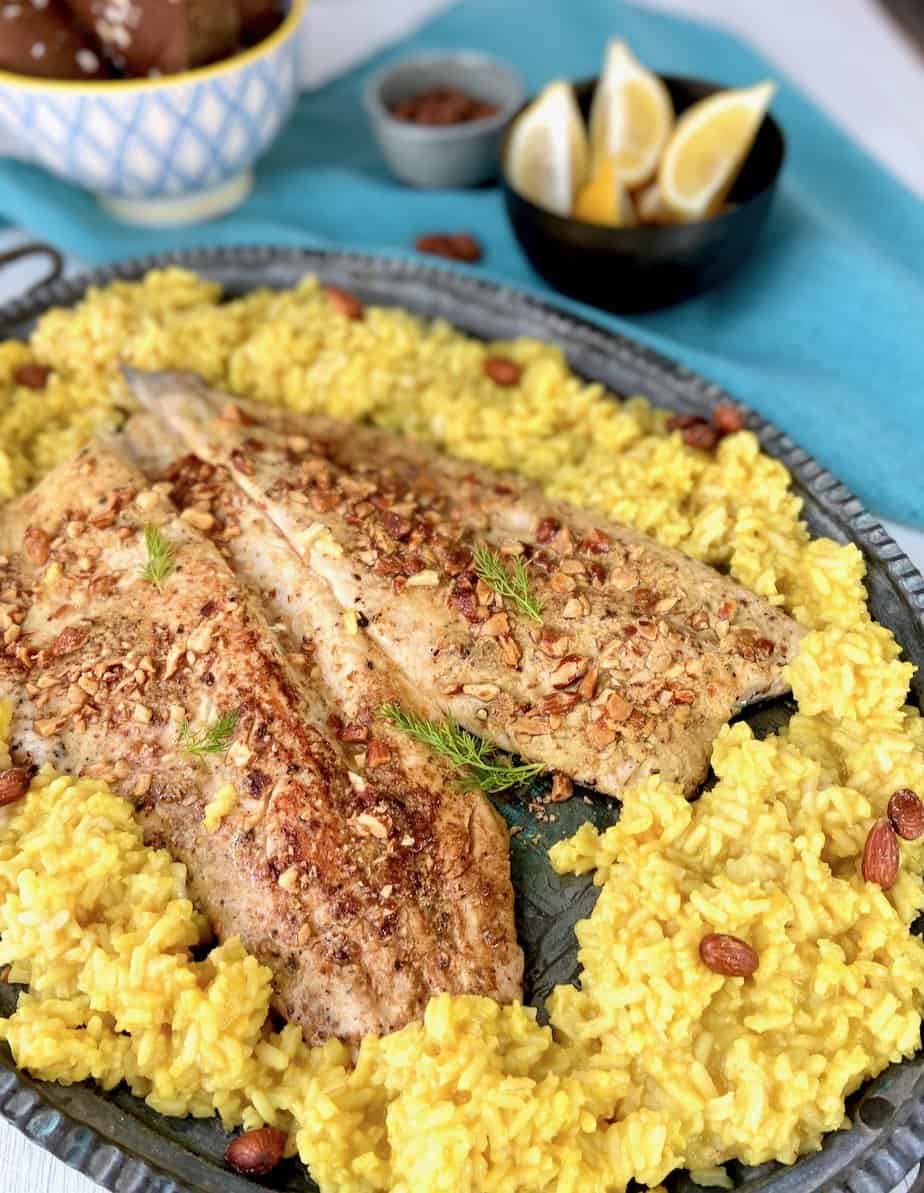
[365, 883]
[640, 656]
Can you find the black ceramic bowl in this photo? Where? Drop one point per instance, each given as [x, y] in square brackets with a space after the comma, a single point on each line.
[638, 269]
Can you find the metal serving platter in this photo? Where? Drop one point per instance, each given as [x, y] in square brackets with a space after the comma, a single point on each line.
[114, 1138]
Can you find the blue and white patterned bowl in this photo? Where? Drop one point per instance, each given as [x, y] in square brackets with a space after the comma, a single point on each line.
[159, 151]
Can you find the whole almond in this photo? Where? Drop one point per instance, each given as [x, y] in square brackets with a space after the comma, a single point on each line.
[32, 375]
[906, 812]
[727, 418]
[464, 247]
[728, 955]
[435, 243]
[14, 783]
[502, 371]
[702, 436]
[346, 303]
[881, 855]
[256, 1153]
[455, 246]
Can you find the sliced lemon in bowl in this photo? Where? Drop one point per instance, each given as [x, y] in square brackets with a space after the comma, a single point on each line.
[631, 116]
[605, 199]
[650, 206]
[708, 148]
[547, 154]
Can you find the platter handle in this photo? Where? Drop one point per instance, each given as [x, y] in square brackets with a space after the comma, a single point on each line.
[55, 266]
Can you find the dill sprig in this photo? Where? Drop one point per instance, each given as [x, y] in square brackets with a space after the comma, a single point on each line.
[484, 769]
[161, 558]
[514, 586]
[215, 739]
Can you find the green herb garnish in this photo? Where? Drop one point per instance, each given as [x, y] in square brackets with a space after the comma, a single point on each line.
[161, 558]
[216, 739]
[483, 767]
[514, 587]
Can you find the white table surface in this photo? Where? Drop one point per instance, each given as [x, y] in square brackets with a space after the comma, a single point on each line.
[844, 53]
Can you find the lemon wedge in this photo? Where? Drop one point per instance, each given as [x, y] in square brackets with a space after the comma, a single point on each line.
[547, 156]
[708, 148]
[651, 207]
[605, 199]
[631, 116]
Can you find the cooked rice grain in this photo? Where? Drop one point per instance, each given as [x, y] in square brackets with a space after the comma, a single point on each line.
[655, 1062]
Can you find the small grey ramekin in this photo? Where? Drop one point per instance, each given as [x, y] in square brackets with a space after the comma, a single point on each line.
[454, 155]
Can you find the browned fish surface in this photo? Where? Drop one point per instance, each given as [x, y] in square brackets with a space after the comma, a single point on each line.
[367, 882]
[640, 655]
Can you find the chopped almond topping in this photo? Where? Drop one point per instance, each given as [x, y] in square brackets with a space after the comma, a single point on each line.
[354, 732]
[36, 545]
[463, 600]
[596, 542]
[529, 726]
[68, 640]
[599, 734]
[49, 726]
[288, 879]
[371, 826]
[200, 640]
[573, 567]
[484, 592]
[428, 578]
[232, 413]
[618, 708]
[547, 529]
[571, 668]
[496, 625]
[623, 578]
[142, 785]
[553, 644]
[509, 651]
[199, 519]
[377, 754]
[558, 703]
[563, 542]
[562, 787]
[587, 688]
[239, 754]
[146, 501]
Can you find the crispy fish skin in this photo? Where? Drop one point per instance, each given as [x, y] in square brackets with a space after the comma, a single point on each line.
[364, 899]
[642, 654]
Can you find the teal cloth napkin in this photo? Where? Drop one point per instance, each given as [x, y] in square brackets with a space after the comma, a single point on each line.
[822, 331]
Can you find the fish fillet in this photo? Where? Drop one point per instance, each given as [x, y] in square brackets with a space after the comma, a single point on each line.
[367, 881]
[640, 656]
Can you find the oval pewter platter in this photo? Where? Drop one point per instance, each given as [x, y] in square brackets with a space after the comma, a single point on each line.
[114, 1138]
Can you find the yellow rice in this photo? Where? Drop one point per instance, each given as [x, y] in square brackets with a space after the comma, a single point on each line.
[654, 1062]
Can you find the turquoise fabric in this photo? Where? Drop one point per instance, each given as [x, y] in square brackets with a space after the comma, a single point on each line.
[822, 331]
